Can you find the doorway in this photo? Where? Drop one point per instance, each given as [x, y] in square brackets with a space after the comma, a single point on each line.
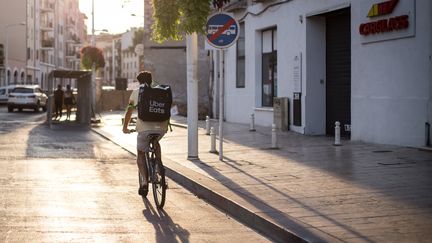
[338, 71]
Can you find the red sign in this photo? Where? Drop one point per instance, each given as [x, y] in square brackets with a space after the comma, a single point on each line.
[384, 25]
[384, 8]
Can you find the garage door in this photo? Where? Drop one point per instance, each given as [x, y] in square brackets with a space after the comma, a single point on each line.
[338, 71]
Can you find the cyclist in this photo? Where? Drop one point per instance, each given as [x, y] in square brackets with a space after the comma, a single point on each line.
[144, 128]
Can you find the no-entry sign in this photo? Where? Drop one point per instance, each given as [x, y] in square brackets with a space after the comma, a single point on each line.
[222, 30]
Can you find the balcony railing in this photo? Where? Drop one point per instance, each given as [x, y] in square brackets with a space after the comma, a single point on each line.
[48, 43]
[47, 6]
[47, 26]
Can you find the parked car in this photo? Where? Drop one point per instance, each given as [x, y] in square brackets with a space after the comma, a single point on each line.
[5, 91]
[27, 97]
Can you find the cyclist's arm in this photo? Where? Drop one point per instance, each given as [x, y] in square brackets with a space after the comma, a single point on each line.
[127, 117]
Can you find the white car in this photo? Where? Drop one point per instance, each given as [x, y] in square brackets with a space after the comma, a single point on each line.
[5, 91]
[27, 97]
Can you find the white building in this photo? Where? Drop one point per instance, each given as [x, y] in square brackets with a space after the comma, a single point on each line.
[42, 35]
[365, 63]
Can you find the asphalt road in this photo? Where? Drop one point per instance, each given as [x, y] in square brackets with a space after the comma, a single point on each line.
[70, 185]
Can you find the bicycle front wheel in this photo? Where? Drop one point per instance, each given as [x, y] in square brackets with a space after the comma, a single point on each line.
[159, 184]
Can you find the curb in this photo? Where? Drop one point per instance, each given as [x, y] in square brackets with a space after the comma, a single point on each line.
[271, 230]
[242, 214]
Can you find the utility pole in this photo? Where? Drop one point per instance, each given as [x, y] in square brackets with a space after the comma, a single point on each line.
[192, 94]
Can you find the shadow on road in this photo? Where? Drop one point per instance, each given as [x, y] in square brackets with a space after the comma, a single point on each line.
[166, 229]
[61, 141]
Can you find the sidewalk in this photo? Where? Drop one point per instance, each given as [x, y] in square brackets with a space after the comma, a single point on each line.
[305, 190]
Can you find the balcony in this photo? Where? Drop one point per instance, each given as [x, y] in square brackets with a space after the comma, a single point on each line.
[73, 38]
[46, 26]
[48, 43]
[47, 6]
[70, 23]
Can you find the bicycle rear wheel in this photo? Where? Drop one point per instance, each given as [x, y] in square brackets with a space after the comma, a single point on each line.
[159, 184]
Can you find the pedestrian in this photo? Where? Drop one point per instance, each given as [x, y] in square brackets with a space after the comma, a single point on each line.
[69, 100]
[58, 102]
[144, 128]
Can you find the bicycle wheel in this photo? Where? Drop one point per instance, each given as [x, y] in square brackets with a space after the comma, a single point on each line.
[141, 180]
[159, 185]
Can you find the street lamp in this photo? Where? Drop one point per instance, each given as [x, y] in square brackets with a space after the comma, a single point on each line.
[7, 48]
[143, 41]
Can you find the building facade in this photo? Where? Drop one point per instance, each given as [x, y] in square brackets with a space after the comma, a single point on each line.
[13, 41]
[42, 35]
[366, 64]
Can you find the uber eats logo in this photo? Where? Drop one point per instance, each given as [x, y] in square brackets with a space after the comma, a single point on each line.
[156, 107]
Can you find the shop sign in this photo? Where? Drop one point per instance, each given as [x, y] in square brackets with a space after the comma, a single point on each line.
[387, 20]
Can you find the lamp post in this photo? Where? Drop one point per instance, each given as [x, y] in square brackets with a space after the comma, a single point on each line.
[7, 48]
[143, 41]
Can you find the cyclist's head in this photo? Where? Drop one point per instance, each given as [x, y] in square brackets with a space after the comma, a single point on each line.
[145, 77]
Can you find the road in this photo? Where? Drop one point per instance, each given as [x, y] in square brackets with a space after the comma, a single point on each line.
[70, 185]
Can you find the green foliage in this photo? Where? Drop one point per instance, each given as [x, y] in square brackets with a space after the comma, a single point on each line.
[166, 20]
[137, 38]
[194, 15]
[92, 55]
[175, 18]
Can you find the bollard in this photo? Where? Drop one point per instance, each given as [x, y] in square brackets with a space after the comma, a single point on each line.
[207, 125]
[273, 137]
[337, 134]
[252, 123]
[212, 141]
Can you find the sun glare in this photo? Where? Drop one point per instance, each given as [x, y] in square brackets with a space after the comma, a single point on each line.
[113, 15]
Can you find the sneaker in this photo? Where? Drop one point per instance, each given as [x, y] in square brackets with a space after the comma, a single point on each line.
[143, 190]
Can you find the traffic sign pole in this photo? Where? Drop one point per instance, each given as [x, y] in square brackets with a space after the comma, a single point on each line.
[222, 32]
[221, 101]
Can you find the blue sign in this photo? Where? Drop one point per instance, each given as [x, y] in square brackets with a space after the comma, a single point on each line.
[222, 30]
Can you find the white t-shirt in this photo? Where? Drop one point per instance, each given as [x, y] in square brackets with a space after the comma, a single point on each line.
[143, 126]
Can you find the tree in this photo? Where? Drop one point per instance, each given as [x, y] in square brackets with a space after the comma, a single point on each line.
[137, 38]
[92, 55]
[176, 18]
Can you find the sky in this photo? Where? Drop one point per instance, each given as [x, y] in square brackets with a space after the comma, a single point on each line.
[113, 15]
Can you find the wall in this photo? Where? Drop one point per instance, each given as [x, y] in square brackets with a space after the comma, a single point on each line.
[14, 12]
[114, 99]
[391, 82]
[314, 112]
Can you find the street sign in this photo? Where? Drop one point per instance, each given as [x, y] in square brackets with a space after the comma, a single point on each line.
[222, 30]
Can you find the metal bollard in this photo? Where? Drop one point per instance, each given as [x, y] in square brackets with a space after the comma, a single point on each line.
[207, 125]
[252, 123]
[212, 141]
[337, 134]
[273, 137]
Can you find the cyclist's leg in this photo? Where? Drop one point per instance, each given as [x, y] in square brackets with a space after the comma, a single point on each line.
[158, 149]
[141, 163]
[142, 148]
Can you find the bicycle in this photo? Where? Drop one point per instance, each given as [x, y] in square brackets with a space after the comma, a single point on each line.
[156, 172]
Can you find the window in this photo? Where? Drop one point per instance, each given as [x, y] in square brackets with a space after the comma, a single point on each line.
[269, 67]
[240, 82]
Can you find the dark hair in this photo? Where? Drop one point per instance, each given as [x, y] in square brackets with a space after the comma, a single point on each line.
[145, 77]
[68, 86]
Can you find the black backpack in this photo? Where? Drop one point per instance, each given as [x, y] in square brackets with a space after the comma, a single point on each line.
[154, 103]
